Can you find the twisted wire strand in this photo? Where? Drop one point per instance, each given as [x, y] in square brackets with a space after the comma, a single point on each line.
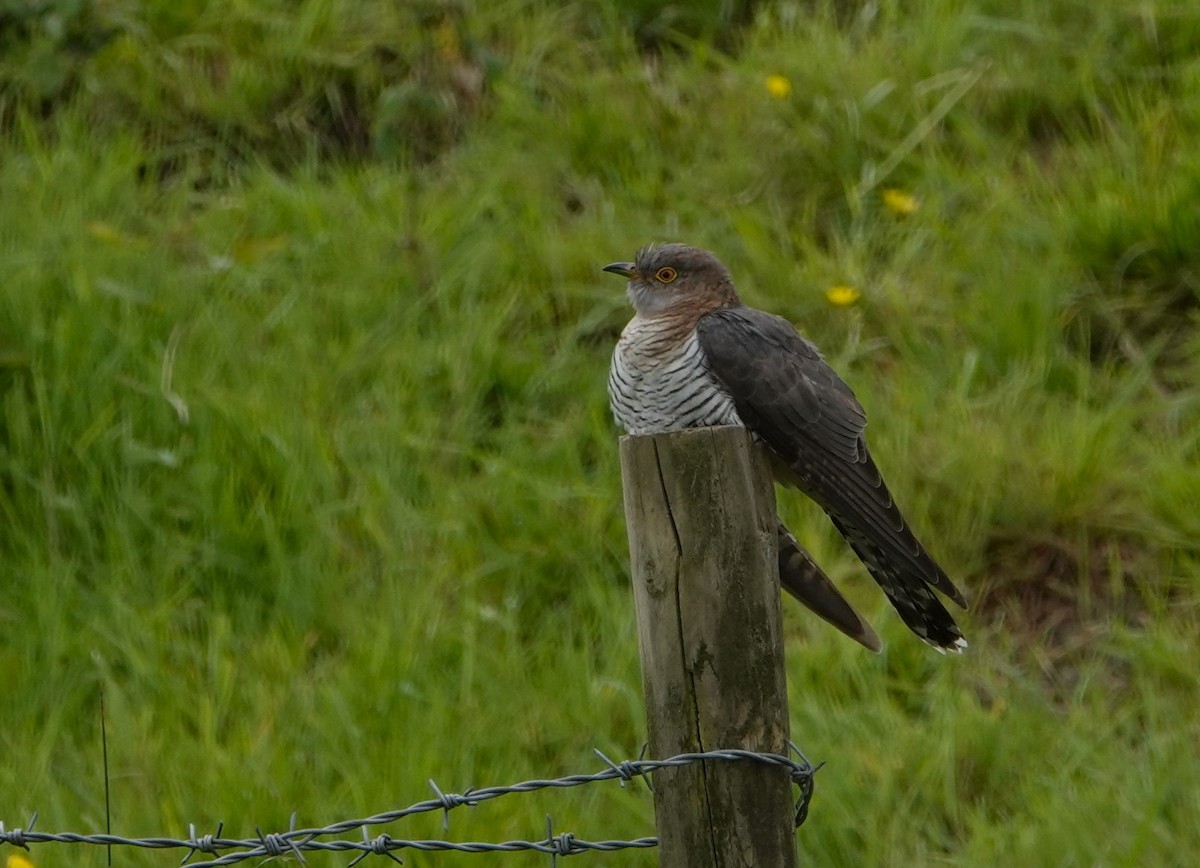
[229, 851]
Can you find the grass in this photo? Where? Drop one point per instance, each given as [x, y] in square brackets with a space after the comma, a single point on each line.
[306, 465]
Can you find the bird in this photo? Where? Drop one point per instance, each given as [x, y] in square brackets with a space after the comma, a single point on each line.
[694, 355]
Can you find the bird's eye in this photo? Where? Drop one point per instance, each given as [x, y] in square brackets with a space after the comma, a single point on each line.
[666, 274]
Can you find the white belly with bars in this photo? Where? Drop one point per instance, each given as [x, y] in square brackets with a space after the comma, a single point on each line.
[660, 382]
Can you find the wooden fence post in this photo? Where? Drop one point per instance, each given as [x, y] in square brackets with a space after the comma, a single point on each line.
[700, 509]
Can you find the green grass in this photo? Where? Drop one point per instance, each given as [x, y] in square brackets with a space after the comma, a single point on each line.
[306, 464]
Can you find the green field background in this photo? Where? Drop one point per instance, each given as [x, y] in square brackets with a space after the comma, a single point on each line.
[306, 465]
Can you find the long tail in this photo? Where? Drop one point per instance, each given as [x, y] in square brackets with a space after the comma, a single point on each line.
[910, 590]
[804, 580]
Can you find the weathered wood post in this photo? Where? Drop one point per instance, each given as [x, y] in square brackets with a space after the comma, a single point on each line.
[700, 508]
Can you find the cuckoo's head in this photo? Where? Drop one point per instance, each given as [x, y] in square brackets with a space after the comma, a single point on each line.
[665, 276]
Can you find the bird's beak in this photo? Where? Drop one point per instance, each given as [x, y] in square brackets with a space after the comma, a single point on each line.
[625, 269]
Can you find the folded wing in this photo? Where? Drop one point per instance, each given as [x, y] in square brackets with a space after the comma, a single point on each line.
[787, 394]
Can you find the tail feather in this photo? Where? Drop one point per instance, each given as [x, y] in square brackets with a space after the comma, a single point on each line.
[804, 580]
[910, 592]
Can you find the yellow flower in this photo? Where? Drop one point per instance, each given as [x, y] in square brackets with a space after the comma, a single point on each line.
[104, 232]
[778, 86]
[110, 234]
[842, 296]
[16, 860]
[899, 202]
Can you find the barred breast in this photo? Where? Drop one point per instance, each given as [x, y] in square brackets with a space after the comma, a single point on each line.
[659, 380]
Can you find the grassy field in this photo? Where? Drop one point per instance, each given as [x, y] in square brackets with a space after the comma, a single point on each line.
[306, 463]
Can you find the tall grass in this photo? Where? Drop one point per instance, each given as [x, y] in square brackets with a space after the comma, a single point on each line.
[305, 461]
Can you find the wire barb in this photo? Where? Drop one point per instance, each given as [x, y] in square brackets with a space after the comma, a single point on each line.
[626, 770]
[804, 777]
[203, 844]
[378, 846]
[559, 845]
[17, 836]
[449, 801]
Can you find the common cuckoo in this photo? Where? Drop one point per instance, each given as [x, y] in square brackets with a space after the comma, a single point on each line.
[694, 355]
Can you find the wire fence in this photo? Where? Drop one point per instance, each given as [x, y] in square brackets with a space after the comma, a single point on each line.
[297, 842]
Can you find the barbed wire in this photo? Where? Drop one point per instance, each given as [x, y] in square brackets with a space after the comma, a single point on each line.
[297, 842]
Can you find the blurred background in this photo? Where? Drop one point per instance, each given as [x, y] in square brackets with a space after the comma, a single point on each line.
[306, 464]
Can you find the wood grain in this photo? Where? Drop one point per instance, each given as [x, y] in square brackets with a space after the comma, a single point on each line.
[700, 509]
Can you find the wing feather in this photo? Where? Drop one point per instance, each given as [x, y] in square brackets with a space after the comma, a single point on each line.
[786, 393]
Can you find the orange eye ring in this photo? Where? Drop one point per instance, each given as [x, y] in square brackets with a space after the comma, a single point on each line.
[666, 274]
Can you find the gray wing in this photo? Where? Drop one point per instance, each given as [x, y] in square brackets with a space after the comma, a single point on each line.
[788, 395]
